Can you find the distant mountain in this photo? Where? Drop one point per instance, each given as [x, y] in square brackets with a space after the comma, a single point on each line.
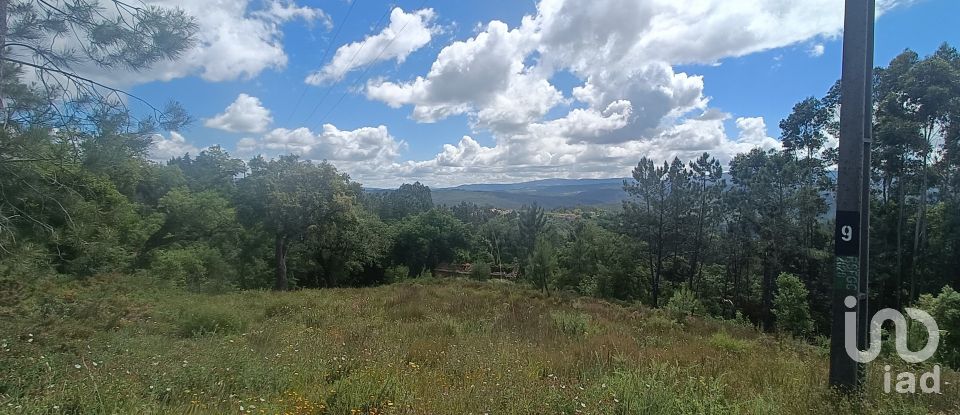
[555, 193]
[549, 193]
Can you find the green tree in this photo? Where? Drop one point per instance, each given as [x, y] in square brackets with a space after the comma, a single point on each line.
[542, 265]
[340, 251]
[408, 199]
[56, 39]
[288, 196]
[791, 306]
[428, 239]
[707, 178]
[531, 223]
[212, 169]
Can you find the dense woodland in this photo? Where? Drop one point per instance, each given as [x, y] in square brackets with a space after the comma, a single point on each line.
[751, 239]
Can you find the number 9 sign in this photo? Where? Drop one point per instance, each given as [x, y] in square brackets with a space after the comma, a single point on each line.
[848, 234]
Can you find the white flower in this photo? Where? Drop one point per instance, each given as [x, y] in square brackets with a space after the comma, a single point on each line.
[76, 366]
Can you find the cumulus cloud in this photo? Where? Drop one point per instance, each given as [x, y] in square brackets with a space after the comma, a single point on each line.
[630, 101]
[484, 75]
[406, 33]
[236, 39]
[544, 152]
[166, 148]
[245, 115]
[363, 145]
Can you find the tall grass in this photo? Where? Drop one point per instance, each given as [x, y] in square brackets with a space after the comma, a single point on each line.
[133, 345]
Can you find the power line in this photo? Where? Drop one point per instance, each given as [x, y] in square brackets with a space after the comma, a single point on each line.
[326, 52]
[370, 65]
[377, 27]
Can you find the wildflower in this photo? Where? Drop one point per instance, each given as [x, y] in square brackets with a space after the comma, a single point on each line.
[77, 366]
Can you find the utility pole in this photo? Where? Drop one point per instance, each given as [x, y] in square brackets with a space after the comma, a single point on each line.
[864, 319]
[854, 101]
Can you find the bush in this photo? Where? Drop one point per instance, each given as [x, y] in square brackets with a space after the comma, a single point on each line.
[945, 309]
[571, 323]
[480, 271]
[791, 307]
[397, 273]
[683, 304]
[724, 341]
[197, 267]
[208, 320]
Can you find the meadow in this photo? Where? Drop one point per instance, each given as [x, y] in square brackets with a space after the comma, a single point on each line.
[122, 345]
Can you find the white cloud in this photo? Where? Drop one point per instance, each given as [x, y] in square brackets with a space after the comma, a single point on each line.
[474, 75]
[246, 146]
[406, 33]
[236, 39]
[630, 103]
[363, 145]
[280, 11]
[816, 50]
[176, 145]
[245, 115]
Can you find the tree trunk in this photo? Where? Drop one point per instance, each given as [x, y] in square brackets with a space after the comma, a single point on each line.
[280, 254]
[3, 41]
[768, 288]
[918, 229]
[901, 199]
[695, 263]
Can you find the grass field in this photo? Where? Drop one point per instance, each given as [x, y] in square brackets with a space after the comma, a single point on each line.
[124, 345]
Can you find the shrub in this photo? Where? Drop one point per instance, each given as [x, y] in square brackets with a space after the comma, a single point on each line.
[397, 273]
[724, 341]
[571, 323]
[791, 307]
[197, 267]
[945, 309]
[480, 271]
[683, 303]
[208, 320]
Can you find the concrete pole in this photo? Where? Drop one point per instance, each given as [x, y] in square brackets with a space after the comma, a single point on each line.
[844, 371]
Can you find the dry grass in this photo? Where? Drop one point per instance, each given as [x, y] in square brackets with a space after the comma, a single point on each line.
[125, 345]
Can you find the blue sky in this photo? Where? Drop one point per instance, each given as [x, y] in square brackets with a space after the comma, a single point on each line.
[559, 89]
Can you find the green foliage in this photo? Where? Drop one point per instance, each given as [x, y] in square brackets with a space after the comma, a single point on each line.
[397, 273]
[196, 267]
[531, 223]
[428, 239]
[542, 265]
[203, 319]
[108, 34]
[791, 306]
[683, 304]
[291, 197]
[572, 324]
[480, 270]
[724, 341]
[945, 309]
[407, 200]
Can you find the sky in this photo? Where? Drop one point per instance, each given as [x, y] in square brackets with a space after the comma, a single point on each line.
[495, 91]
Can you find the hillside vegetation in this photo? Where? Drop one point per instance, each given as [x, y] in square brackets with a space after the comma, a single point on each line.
[128, 345]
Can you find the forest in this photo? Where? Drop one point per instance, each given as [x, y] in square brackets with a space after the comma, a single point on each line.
[749, 240]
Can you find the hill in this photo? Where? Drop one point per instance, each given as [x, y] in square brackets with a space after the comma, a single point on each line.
[135, 345]
[550, 193]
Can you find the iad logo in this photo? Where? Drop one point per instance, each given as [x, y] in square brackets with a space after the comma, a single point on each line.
[906, 382]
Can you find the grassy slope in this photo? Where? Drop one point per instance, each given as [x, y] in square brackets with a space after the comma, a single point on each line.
[130, 345]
